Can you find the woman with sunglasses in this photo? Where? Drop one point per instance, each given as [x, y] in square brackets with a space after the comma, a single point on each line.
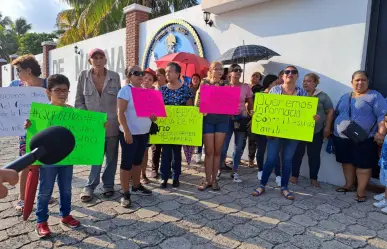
[239, 123]
[134, 137]
[287, 146]
[215, 127]
[28, 70]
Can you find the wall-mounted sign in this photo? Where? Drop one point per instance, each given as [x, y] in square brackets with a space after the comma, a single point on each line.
[172, 37]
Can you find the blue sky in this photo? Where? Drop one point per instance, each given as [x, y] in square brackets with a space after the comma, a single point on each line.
[40, 13]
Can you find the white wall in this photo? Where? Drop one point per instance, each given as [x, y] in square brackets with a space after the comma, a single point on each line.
[323, 36]
[64, 60]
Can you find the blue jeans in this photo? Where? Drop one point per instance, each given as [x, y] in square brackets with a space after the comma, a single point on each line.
[261, 142]
[111, 153]
[47, 176]
[274, 146]
[238, 147]
[171, 154]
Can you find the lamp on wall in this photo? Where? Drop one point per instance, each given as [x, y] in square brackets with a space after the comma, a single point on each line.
[207, 18]
[76, 50]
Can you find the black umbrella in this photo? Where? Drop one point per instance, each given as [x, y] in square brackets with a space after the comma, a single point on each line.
[245, 54]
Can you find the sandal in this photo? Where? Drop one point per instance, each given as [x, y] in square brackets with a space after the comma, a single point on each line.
[256, 191]
[145, 180]
[360, 198]
[315, 183]
[343, 190]
[107, 192]
[251, 164]
[204, 186]
[87, 196]
[289, 195]
[215, 186]
[19, 206]
[293, 180]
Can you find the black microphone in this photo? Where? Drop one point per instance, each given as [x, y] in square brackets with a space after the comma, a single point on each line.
[49, 146]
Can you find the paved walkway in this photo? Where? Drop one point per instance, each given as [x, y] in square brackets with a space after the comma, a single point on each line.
[186, 218]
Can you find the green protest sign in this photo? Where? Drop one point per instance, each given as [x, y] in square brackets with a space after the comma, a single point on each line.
[87, 127]
[284, 116]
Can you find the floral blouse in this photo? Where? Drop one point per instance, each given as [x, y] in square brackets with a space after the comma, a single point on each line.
[178, 96]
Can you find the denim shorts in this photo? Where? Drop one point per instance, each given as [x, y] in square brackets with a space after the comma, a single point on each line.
[383, 177]
[133, 154]
[209, 128]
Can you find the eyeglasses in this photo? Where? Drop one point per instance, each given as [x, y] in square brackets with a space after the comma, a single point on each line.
[137, 73]
[59, 91]
[237, 70]
[290, 71]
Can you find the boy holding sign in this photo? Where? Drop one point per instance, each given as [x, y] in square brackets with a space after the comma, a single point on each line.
[57, 91]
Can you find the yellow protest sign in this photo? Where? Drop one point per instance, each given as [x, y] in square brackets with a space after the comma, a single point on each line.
[284, 116]
[182, 126]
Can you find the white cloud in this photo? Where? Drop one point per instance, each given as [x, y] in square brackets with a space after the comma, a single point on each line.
[40, 13]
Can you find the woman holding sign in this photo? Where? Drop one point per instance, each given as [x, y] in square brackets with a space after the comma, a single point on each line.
[134, 137]
[215, 127]
[358, 128]
[275, 145]
[239, 123]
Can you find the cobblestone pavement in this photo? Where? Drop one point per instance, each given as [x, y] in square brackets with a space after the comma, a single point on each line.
[186, 218]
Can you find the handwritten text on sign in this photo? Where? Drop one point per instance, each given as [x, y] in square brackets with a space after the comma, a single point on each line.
[219, 99]
[15, 104]
[182, 126]
[87, 127]
[284, 116]
[147, 102]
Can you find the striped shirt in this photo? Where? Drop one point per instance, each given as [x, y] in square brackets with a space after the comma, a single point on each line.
[366, 110]
[278, 90]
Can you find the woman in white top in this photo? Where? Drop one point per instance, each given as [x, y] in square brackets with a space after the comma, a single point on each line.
[134, 136]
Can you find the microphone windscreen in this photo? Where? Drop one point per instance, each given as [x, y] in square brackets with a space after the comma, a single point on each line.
[57, 141]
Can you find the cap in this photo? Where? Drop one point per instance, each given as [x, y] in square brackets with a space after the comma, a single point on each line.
[152, 72]
[96, 51]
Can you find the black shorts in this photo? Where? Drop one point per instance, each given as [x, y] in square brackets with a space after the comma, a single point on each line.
[133, 154]
[363, 155]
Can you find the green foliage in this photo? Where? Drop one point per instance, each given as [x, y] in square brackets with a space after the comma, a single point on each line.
[30, 43]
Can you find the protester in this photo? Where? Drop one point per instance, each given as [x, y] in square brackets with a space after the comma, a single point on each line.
[255, 85]
[148, 82]
[360, 111]
[97, 91]
[275, 145]
[178, 94]
[195, 85]
[268, 83]
[215, 127]
[134, 137]
[322, 129]
[382, 198]
[239, 123]
[57, 90]
[10, 176]
[28, 71]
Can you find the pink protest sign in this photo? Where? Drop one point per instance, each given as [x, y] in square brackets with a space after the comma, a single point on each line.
[219, 99]
[147, 102]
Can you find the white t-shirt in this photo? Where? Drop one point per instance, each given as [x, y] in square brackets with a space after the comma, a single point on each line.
[137, 126]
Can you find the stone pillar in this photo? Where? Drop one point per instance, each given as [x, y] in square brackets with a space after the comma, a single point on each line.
[13, 57]
[134, 14]
[2, 63]
[47, 47]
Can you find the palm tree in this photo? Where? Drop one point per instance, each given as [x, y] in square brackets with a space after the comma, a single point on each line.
[6, 21]
[89, 18]
[20, 26]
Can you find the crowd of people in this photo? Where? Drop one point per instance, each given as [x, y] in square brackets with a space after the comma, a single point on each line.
[99, 90]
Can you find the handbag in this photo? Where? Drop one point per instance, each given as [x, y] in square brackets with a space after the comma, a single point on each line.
[354, 131]
[240, 124]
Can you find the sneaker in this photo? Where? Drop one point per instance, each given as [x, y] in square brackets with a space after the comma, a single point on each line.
[278, 181]
[381, 204]
[384, 210]
[70, 222]
[42, 230]
[197, 158]
[380, 197]
[141, 190]
[163, 184]
[175, 183]
[236, 178]
[259, 175]
[125, 200]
